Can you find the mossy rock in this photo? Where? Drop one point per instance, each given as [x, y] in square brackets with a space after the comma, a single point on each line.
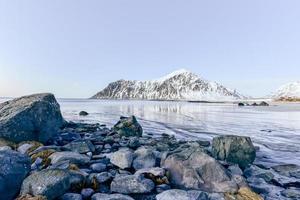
[34, 144]
[44, 155]
[4, 142]
[244, 193]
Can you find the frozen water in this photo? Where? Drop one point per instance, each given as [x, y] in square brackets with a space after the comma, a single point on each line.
[274, 129]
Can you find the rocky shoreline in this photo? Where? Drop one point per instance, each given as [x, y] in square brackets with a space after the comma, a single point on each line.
[44, 157]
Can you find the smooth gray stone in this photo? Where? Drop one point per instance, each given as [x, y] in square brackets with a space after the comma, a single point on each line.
[71, 196]
[122, 158]
[143, 158]
[73, 157]
[81, 146]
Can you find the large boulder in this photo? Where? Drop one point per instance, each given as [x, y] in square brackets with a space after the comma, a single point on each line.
[14, 167]
[234, 149]
[35, 117]
[51, 183]
[128, 126]
[192, 168]
[131, 184]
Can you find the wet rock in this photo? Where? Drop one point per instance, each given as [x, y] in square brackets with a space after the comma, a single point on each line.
[234, 149]
[35, 117]
[287, 170]
[255, 171]
[100, 196]
[73, 157]
[24, 148]
[192, 168]
[131, 184]
[98, 167]
[86, 193]
[235, 170]
[241, 104]
[182, 195]
[50, 183]
[291, 193]
[163, 187]
[71, 196]
[80, 146]
[128, 126]
[83, 113]
[144, 158]
[13, 169]
[122, 158]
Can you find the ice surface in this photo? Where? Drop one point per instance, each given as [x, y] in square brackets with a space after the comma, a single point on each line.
[275, 129]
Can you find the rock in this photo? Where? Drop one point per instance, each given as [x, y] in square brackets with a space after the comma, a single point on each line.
[155, 171]
[103, 177]
[235, 170]
[13, 169]
[182, 195]
[241, 104]
[246, 193]
[73, 157]
[50, 183]
[131, 184]
[100, 196]
[122, 158]
[254, 171]
[128, 126]
[86, 193]
[234, 149]
[5, 148]
[163, 187]
[83, 113]
[80, 146]
[98, 167]
[287, 170]
[192, 168]
[35, 117]
[24, 148]
[254, 104]
[71, 196]
[263, 103]
[291, 193]
[144, 158]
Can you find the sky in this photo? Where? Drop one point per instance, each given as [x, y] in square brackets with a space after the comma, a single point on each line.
[74, 48]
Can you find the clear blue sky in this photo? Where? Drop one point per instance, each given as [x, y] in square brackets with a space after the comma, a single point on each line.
[74, 48]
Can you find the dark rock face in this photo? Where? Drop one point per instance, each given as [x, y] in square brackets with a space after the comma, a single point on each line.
[235, 149]
[13, 169]
[241, 104]
[49, 183]
[263, 103]
[35, 117]
[192, 168]
[128, 126]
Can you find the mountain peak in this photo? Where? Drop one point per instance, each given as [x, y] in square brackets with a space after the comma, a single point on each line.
[289, 90]
[172, 74]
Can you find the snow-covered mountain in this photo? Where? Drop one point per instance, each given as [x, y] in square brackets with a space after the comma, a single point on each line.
[179, 85]
[289, 92]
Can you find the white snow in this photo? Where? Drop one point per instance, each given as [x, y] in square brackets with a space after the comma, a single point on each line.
[289, 90]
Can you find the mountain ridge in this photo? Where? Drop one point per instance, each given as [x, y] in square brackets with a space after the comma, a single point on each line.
[178, 85]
